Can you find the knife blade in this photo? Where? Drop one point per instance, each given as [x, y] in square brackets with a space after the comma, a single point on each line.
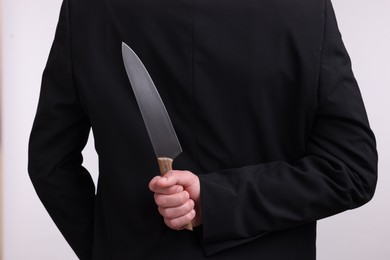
[162, 135]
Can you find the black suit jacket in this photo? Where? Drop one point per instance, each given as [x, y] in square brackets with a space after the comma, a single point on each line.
[264, 102]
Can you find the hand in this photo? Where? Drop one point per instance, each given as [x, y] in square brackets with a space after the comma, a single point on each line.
[177, 195]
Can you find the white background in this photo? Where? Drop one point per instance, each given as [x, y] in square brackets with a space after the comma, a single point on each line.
[27, 33]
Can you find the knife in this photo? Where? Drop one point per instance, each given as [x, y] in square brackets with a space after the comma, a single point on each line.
[162, 135]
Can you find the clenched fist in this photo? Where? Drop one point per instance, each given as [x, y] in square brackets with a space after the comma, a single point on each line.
[177, 195]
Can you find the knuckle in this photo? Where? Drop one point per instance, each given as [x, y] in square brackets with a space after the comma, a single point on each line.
[190, 215]
[175, 224]
[182, 200]
[168, 214]
[152, 182]
[172, 223]
[167, 222]
[159, 200]
[189, 206]
[161, 210]
[184, 197]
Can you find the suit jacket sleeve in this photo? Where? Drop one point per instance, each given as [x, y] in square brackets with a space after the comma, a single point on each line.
[338, 172]
[59, 134]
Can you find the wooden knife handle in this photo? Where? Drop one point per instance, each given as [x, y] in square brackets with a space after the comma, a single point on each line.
[165, 165]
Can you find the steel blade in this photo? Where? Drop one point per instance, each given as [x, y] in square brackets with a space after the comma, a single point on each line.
[154, 113]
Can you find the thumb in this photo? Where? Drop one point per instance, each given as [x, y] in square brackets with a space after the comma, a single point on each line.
[183, 178]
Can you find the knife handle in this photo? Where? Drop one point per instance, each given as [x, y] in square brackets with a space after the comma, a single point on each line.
[165, 165]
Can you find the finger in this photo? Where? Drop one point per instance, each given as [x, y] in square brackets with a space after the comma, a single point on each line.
[172, 213]
[164, 190]
[171, 201]
[184, 178]
[180, 222]
[169, 190]
[167, 180]
[152, 183]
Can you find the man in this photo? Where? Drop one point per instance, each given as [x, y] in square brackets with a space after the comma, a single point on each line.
[269, 115]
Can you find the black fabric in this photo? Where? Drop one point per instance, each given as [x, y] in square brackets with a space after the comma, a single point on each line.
[263, 100]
